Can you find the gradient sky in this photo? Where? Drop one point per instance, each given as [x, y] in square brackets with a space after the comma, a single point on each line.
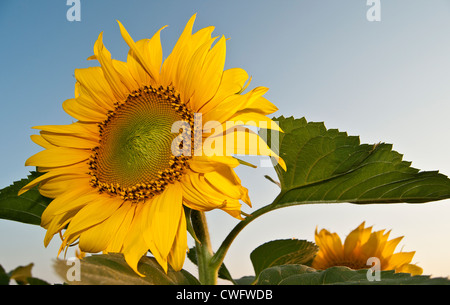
[385, 81]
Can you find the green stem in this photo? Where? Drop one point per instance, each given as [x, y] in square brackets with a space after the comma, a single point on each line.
[219, 256]
[209, 262]
[207, 272]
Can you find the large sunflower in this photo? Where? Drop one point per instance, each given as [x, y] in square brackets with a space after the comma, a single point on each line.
[360, 245]
[122, 172]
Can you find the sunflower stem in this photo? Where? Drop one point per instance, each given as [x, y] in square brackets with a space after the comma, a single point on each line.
[219, 256]
[207, 272]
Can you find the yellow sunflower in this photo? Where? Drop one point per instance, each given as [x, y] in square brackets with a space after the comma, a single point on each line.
[359, 246]
[122, 172]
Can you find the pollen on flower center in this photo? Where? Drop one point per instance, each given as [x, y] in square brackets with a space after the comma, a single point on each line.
[134, 157]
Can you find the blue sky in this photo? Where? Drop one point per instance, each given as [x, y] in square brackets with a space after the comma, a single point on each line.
[384, 81]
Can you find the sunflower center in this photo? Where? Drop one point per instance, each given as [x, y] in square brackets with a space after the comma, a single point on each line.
[134, 157]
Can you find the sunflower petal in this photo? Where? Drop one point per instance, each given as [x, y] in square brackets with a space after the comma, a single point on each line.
[93, 84]
[169, 67]
[39, 140]
[250, 118]
[410, 268]
[111, 75]
[178, 253]
[117, 241]
[240, 141]
[92, 214]
[148, 53]
[134, 246]
[49, 175]
[164, 217]
[232, 82]
[399, 259]
[58, 156]
[205, 164]
[210, 76]
[97, 238]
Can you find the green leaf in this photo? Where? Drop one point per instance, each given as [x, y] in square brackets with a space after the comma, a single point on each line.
[245, 280]
[112, 269]
[328, 166]
[275, 275]
[283, 252]
[36, 282]
[26, 208]
[22, 276]
[303, 275]
[4, 277]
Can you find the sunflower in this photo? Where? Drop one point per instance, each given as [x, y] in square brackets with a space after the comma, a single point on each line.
[360, 245]
[122, 173]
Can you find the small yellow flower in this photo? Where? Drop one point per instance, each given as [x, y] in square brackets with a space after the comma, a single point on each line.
[359, 246]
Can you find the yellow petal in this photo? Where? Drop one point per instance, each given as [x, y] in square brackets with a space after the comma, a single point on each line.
[190, 75]
[205, 164]
[81, 129]
[399, 259]
[93, 213]
[71, 141]
[59, 156]
[202, 196]
[226, 183]
[169, 67]
[39, 140]
[232, 82]
[134, 246]
[353, 240]
[261, 105]
[372, 246]
[56, 224]
[146, 52]
[210, 75]
[410, 268]
[63, 171]
[176, 67]
[111, 75]
[125, 75]
[117, 241]
[330, 245]
[256, 119]
[194, 199]
[92, 83]
[233, 208]
[82, 113]
[233, 104]
[241, 141]
[163, 218]
[390, 246]
[69, 201]
[52, 188]
[97, 238]
[178, 253]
